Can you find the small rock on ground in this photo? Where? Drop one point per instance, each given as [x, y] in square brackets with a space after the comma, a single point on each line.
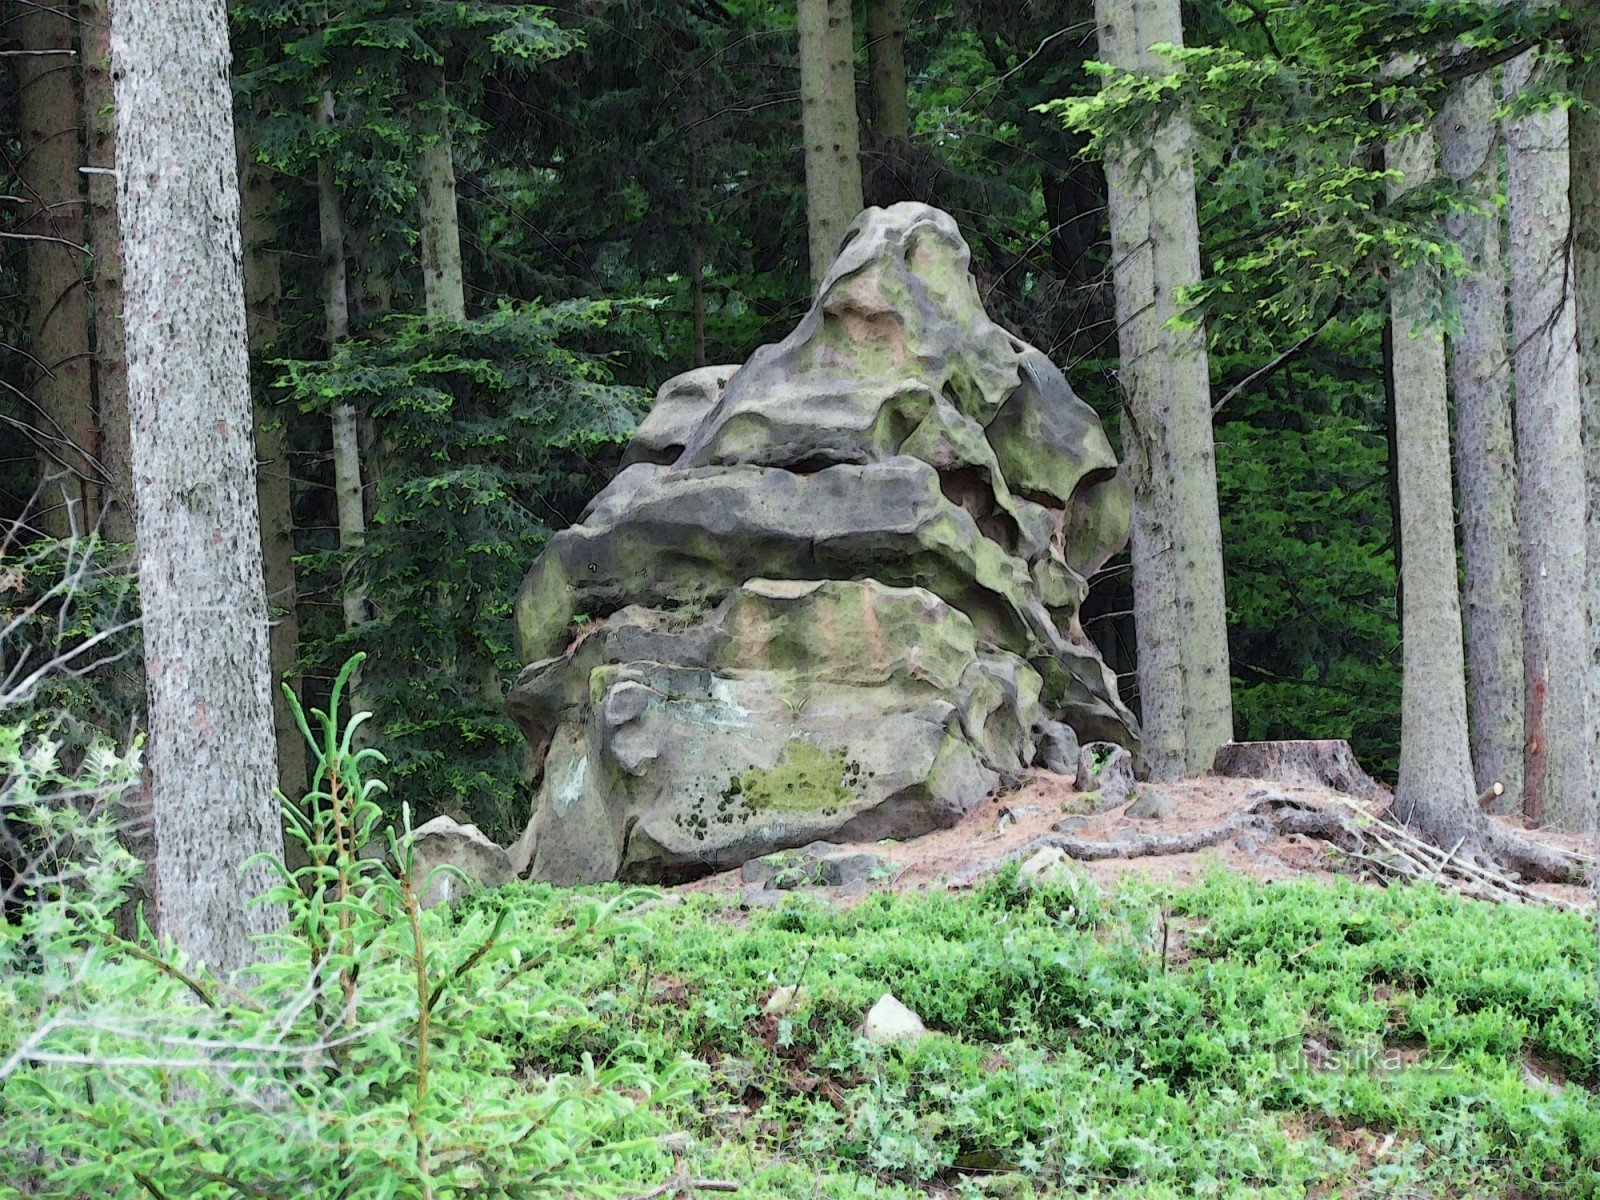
[1041, 863]
[839, 870]
[1058, 747]
[1152, 804]
[787, 868]
[1050, 865]
[1114, 778]
[760, 897]
[890, 1021]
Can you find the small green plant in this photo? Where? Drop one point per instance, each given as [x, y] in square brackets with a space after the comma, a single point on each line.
[366, 1055]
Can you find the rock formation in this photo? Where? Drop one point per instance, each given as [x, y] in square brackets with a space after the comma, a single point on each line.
[833, 593]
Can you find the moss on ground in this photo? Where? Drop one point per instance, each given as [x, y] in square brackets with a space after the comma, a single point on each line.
[1234, 1039]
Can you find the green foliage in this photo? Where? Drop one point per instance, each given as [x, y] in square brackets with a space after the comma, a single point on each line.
[1304, 491]
[492, 432]
[70, 651]
[1234, 1039]
[395, 70]
[372, 1053]
[1293, 106]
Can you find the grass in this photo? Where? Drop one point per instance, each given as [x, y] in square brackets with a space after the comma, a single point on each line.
[1235, 1039]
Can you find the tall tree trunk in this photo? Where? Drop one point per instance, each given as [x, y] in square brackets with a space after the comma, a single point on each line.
[1551, 502]
[1392, 472]
[830, 128]
[1585, 155]
[346, 428]
[1179, 604]
[274, 480]
[886, 72]
[1585, 183]
[697, 258]
[1480, 380]
[439, 223]
[1435, 791]
[105, 240]
[199, 545]
[886, 69]
[60, 384]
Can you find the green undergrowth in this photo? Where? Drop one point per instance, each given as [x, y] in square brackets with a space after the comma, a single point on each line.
[1234, 1039]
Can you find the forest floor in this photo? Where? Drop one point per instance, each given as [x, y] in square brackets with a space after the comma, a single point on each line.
[1243, 1021]
[999, 828]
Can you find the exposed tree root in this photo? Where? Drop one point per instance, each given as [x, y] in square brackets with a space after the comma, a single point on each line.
[1374, 844]
[1534, 859]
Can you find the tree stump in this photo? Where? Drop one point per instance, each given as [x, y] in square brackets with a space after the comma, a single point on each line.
[1330, 764]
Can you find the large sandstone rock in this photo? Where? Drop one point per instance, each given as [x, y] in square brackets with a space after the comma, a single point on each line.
[834, 592]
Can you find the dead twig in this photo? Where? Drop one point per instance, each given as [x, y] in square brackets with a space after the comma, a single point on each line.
[678, 1185]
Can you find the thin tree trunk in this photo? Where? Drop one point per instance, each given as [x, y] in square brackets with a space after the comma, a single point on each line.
[439, 224]
[346, 432]
[201, 587]
[60, 384]
[1585, 169]
[1392, 473]
[110, 367]
[1551, 502]
[1179, 605]
[1480, 380]
[886, 68]
[274, 482]
[1435, 791]
[697, 260]
[829, 126]
[886, 72]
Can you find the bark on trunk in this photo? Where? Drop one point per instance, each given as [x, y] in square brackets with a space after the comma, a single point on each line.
[886, 71]
[830, 128]
[1585, 155]
[203, 597]
[1179, 604]
[697, 258]
[110, 366]
[1435, 792]
[60, 383]
[439, 226]
[1552, 506]
[1480, 380]
[346, 435]
[274, 485]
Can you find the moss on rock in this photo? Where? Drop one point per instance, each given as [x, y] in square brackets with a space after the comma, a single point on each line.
[806, 778]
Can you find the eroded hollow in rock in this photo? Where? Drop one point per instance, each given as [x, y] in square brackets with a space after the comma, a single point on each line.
[833, 593]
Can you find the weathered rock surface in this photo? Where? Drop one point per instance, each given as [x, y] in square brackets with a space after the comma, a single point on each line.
[442, 842]
[1057, 748]
[1107, 769]
[834, 592]
[821, 864]
[1152, 804]
[891, 1021]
